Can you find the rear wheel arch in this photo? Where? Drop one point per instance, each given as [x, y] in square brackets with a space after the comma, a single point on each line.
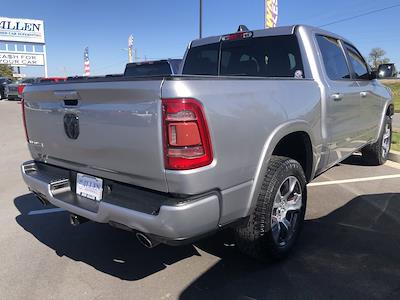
[296, 127]
[298, 146]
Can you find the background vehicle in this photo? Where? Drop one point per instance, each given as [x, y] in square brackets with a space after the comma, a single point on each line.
[15, 89]
[52, 79]
[153, 68]
[232, 142]
[387, 71]
[4, 82]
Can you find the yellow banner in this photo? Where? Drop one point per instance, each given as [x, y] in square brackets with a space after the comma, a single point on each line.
[271, 13]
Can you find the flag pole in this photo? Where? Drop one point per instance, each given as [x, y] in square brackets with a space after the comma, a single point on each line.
[201, 19]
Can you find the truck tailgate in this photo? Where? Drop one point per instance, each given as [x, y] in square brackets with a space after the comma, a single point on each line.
[120, 134]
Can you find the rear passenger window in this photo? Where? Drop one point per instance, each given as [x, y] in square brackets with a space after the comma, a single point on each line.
[202, 60]
[334, 60]
[360, 68]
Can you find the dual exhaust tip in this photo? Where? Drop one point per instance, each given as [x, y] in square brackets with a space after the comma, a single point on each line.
[145, 240]
[76, 220]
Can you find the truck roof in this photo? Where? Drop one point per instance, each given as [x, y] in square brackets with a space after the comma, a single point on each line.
[281, 30]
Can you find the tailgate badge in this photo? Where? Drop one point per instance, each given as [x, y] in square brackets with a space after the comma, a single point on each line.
[71, 126]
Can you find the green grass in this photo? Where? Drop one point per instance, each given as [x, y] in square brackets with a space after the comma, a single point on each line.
[395, 86]
[396, 141]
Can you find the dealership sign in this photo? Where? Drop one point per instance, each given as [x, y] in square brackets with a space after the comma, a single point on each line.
[21, 59]
[21, 30]
[23, 43]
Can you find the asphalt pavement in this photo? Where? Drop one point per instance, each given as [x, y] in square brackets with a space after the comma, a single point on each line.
[349, 247]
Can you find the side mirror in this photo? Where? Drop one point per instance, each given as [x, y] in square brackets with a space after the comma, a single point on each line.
[373, 75]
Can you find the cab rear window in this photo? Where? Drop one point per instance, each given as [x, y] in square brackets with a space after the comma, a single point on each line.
[148, 69]
[274, 56]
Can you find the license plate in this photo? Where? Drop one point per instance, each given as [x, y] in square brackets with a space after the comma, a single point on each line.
[89, 186]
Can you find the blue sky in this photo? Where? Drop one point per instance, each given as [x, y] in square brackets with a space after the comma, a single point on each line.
[163, 29]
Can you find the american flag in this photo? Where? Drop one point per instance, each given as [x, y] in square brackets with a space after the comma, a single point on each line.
[86, 61]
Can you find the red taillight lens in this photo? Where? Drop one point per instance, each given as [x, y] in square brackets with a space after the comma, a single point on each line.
[21, 89]
[24, 119]
[187, 142]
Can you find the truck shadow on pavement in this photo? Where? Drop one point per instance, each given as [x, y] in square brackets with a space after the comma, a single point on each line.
[109, 250]
[352, 252]
[356, 160]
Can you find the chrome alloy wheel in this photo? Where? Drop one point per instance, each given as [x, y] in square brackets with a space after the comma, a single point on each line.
[386, 140]
[286, 209]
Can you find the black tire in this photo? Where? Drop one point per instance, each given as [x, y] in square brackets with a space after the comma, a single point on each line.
[374, 154]
[257, 238]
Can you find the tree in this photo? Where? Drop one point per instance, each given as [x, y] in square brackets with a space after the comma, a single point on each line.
[6, 71]
[376, 57]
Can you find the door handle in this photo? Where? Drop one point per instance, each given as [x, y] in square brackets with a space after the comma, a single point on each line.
[337, 97]
[363, 94]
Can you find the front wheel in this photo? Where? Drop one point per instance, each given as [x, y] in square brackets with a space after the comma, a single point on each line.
[377, 153]
[275, 224]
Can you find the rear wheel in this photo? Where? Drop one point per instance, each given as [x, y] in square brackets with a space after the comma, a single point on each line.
[275, 224]
[377, 153]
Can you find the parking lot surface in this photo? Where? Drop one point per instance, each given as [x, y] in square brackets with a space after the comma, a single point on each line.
[396, 122]
[349, 248]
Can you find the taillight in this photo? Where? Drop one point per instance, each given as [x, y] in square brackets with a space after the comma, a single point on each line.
[187, 142]
[24, 119]
[21, 88]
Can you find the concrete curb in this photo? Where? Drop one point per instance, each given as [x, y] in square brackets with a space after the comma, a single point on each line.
[394, 156]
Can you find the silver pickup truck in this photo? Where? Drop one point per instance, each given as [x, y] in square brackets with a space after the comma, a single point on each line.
[230, 142]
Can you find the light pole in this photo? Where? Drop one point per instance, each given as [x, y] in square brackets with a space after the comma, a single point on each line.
[133, 56]
[130, 47]
[201, 19]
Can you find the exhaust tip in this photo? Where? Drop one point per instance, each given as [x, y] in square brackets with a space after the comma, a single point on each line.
[73, 219]
[41, 198]
[76, 220]
[146, 241]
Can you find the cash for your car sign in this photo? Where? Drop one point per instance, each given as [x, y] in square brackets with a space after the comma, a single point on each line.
[21, 59]
[24, 42]
[271, 13]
